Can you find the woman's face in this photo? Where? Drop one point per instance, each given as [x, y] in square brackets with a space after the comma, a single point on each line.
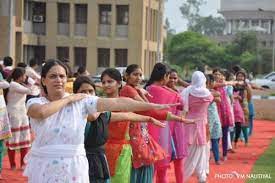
[166, 79]
[134, 78]
[210, 84]
[217, 76]
[22, 78]
[87, 89]
[55, 80]
[240, 77]
[109, 85]
[173, 80]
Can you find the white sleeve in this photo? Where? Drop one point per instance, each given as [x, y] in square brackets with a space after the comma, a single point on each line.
[20, 88]
[4, 84]
[34, 101]
[90, 104]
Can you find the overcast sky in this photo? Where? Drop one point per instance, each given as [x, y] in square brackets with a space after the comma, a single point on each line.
[175, 18]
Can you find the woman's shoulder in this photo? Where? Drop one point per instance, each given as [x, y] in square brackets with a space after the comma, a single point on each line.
[37, 100]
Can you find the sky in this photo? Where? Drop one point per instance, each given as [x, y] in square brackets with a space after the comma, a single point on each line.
[175, 18]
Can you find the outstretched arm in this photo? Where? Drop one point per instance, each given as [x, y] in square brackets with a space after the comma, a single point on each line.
[129, 116]
[42, 111]
[127, 105]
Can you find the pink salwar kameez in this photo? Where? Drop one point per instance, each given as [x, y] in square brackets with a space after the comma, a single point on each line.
[172, 133]
[197, 99]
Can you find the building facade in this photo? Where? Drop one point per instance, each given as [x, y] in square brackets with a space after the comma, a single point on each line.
[92, 33]
[249, 15]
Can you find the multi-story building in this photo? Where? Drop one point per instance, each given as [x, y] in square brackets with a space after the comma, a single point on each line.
[249, 15]
[94, 33]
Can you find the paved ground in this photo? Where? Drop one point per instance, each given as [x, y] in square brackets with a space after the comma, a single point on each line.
[239, 163]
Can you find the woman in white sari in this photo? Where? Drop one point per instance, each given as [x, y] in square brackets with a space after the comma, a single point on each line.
[57, 153]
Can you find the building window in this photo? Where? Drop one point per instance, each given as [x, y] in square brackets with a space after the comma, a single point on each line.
[63, 18]
[62, 53]
[105, 14]
[105, 19]
[80, 56]
[34, 52]
[63, 12]
[122, 12]
[121, 57]
[81, 13]
[81, 19]
[122, 20]
[103, 57]
[35, 17]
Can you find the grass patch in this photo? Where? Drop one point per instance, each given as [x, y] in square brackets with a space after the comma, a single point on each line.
[265, 165]
[272, 94]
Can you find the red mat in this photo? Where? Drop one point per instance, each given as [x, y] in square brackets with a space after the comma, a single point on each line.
[239, 163]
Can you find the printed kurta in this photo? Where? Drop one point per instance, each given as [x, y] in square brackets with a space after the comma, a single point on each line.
[19, 122]
[214, 121]
[57, 153]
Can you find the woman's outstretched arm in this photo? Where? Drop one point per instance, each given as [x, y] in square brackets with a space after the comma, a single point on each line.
[42, 111]
[127, 105]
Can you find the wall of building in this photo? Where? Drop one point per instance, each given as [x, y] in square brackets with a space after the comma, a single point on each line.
[248, 5]
[136, 42]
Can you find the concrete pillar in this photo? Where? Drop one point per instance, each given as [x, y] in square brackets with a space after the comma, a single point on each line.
[51, 30]
[269, 27]
[250, 24]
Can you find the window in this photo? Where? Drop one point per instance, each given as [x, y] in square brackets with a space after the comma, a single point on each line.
[105, 14]
[63, 12]
[34, 52]
[103, 57]
[62, 53]
[121, 57]
[81, 13]
[80, 55]
[122, 12]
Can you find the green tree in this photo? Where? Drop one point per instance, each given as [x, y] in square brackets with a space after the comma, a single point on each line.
[193, 50]
[190, 10]
[208, 25]
[205, 25]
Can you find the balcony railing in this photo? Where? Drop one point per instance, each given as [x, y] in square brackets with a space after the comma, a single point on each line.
[64, 29]
[104, 30]
[121, 30]
[35, 28]
[80, 29]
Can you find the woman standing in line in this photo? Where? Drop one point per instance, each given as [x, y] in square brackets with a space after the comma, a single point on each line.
[145, 149]
[5, 131]
[178, 133]
[156, 87]
[20, 127]
[96, 132]
[224, 109]
[242, 95]
[214, 119]
[196, 99]
[59, 120]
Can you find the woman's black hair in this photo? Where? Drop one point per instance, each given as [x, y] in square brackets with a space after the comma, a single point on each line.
[173, 70]
[112, 73]
[81, 70]
[236, 69]
[47, 66]
[158, 73]
[209, 78]
[216, 70]
[15, 74]
[21, 64]
[242, 72]
[81, 80]
[131, 68]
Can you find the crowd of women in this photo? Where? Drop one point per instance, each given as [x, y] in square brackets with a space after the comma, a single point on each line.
[132, 134]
